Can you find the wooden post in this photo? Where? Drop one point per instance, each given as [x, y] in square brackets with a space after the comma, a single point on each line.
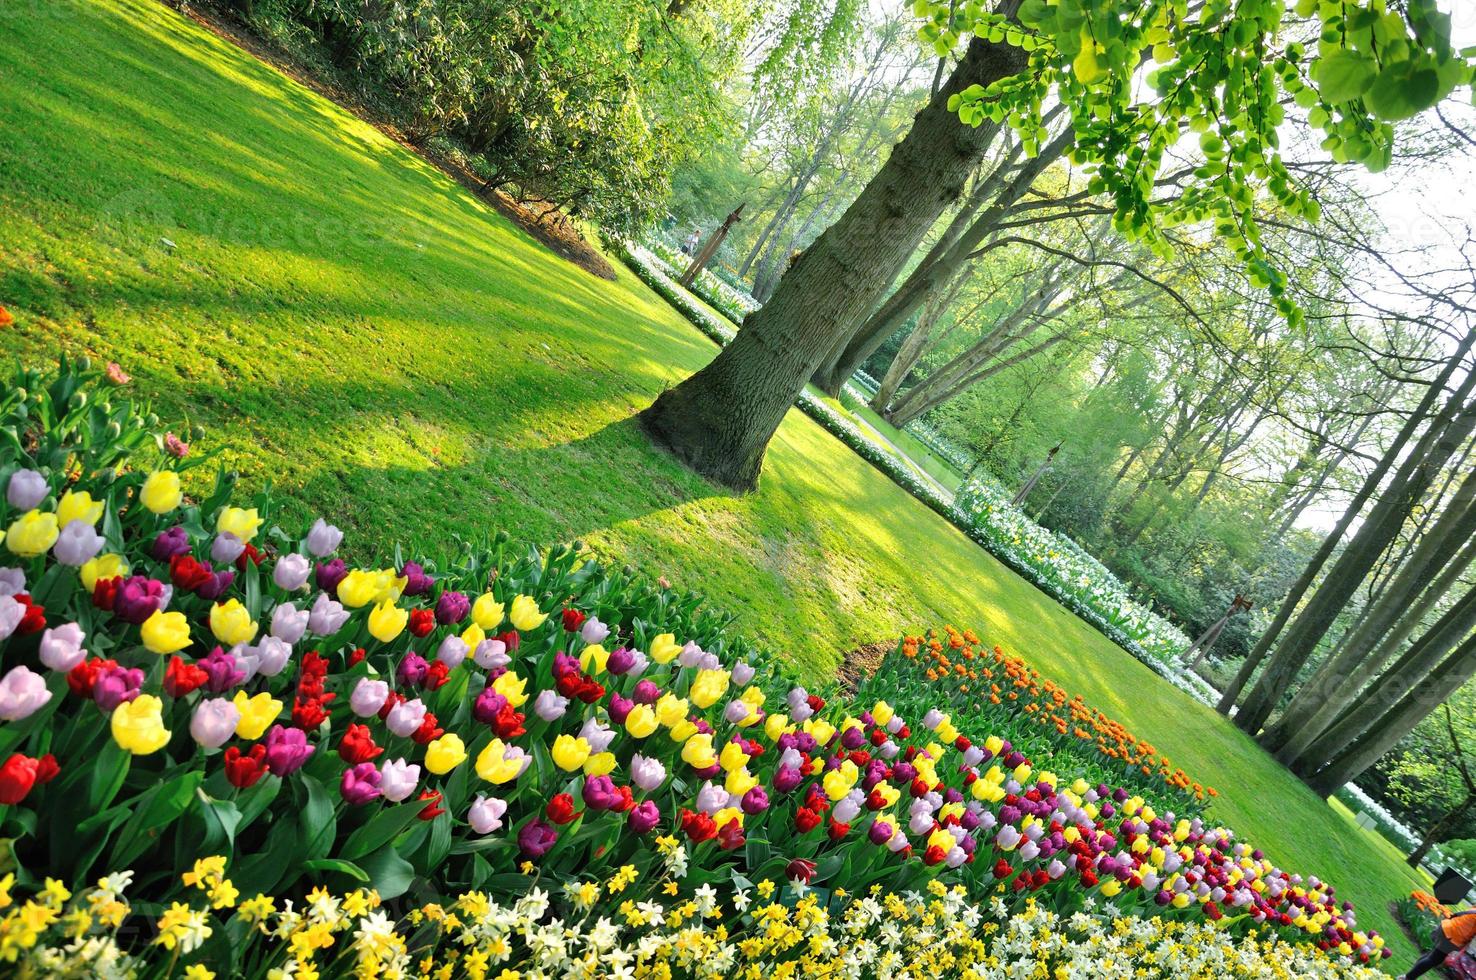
[710, 247]
[1211, 635]
[1019, 498]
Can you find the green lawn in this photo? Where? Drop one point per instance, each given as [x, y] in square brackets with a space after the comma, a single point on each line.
[355, 328]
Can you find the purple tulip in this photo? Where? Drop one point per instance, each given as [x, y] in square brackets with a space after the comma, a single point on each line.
[77, 544]
[226, 548]
[137, 599]
[112, 687]
[488, 705]
[416, 581]
[787, 779]
[329, 574]
[26, 489]
[360, 784]
[287, 750]
[61, 647]
[23, 692]
[452, 608]
[412, 670]
[167, 544]
[620, 708]
[323, 539]
[291, 572]
[216, 585]
[643, 818]
[880, 832]
[537, 838]
[646, 693]
[621, 660]
[600, 794]
[223, 670]
[549, 705]
[755, 801]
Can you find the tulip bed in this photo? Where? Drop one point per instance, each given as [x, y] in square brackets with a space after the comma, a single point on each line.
[225, 751]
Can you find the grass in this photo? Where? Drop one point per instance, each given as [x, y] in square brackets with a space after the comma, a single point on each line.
[353, 327]
[917, 451]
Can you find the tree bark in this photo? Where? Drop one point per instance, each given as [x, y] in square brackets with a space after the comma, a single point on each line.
[1441, 830]
[720, 420]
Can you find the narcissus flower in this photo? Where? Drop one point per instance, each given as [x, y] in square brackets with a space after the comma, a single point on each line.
[243, 522]
[32, 534]
[387, 621]
[161, 492]
[232, 623]
[138, 725]
[165, 632]
[524, 614]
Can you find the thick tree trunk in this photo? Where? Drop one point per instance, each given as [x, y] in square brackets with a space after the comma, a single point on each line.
[1335, 536]
[720, 420]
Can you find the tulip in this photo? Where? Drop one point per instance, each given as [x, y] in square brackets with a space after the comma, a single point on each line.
[444, 754]
[113, 685]
[272, 655]
[593, 631]
[165, 632]
[12, 581]
[644, 817]
[242, 522]
[168, 544]
[620, 662]
[256, 714]
[226, 548]
[32, 534]
[323, 539]
[487, 612]
[291, 572]
[512, 687]
[287, 750]
[330, 574]
[491, 654]
[289, 623]
[451, 652]
[406, 717]
[569, 753]
[742, 674]
[138, 725]
[524, 614]
[360, 783]
[214, 722]
[78, 505]
[599, 764]
[549, 705]
[223, 670]
[398, 779]
[161, 491]
[485, 814]
[232, 623]
[664, 648]
[327, 616]
[417, 582]
[17, 777]
[452, 608]
[22, 693]
[599, 793]
[368, 697]
[594, 659]
[76, 544]
[647, 773]
[537, 838]
[61, 647]
[387, 621]
[26, 489]
[501, 763]
[596, 734]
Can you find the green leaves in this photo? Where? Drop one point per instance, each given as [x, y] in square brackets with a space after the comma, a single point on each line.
[1344, 75]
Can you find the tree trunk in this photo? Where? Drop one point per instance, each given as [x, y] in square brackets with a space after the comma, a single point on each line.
[1330, 542]
[720, 420]
[1441, 830]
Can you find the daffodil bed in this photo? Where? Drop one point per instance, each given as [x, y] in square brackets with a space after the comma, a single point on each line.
[226, 752]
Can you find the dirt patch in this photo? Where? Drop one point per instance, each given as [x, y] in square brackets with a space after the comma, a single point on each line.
[542, 220]
[860, 663]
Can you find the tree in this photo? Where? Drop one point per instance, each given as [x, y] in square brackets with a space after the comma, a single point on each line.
[1220, 74]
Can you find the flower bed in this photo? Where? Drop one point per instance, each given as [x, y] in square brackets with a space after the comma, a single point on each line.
[182, 678]
[728, 300]
[1051, 562]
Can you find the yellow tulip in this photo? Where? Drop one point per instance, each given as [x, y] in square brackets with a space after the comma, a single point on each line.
[102, 567]
[472, 636]
[165, 632]
[78, 505]
[732, 758]
[664, 648]
[161, 492]
[358, 588]
[641, 721]
[600, 764]
[487, 612]
[882, 712]
[775, 726]
[512, 687]
[671, 710]
[495, 765]
[594, 658]
[138, 725]
[682, 730]
[708, 687]
[525, 615]
[444, 754]
[740, 781]
[837, 784]
[232, 623]
[698, 753]
[32, 533]
[240, 521]
[257, 713]
[387, 621]
[569, 753]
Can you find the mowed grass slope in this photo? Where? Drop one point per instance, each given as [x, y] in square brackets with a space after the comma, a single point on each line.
[353, 327]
